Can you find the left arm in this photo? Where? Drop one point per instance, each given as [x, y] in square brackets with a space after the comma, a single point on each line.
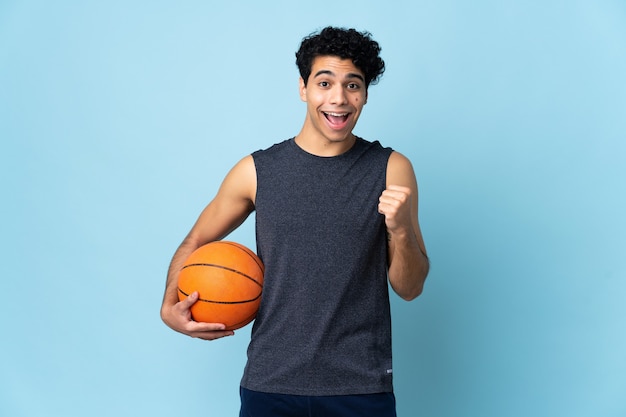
[408, 261]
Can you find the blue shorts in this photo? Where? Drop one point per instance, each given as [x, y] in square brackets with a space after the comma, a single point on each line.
[262, 404]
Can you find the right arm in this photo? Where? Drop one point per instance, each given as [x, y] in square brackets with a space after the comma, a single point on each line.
[231, 206]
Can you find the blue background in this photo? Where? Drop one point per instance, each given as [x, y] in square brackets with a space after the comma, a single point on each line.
[119, 120]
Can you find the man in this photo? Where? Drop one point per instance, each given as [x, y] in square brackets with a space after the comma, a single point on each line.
[336, 218]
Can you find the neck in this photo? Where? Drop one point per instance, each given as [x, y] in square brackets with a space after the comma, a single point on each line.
[321, 146]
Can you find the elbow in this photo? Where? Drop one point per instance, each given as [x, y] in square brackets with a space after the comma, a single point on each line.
[408, 291]
[412, 294]
[413, 288]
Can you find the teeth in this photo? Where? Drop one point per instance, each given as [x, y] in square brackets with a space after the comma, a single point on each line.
[337, 114]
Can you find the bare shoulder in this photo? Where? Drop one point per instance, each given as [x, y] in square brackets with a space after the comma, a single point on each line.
[400, 171]
[240, 182]
[244, 169]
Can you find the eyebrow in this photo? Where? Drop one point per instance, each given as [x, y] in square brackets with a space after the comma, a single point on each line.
[349, 75]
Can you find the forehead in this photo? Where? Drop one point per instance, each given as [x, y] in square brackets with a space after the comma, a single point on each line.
[334, 66]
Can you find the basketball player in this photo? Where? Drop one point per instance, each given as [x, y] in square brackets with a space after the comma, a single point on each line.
[337, 216]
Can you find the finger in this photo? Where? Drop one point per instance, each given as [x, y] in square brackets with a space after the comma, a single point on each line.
[397, 195]
[388, 202]
[387, 210]
[190, 300]
[400, 188]
[200, 327]
[208, 331]
[214, 335]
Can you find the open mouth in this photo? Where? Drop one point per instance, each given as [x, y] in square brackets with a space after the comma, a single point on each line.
[336, 119]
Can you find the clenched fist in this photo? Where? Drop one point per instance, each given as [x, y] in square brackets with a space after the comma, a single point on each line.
[395, 204]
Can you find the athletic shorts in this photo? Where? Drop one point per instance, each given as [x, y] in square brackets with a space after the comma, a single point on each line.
[261, 404]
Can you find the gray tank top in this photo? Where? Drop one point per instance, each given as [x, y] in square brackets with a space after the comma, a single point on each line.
[324, 325]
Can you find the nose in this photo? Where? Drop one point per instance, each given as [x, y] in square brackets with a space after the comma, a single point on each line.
[338, 95]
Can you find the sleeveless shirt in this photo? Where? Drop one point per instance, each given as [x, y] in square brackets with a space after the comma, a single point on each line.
[324, 323]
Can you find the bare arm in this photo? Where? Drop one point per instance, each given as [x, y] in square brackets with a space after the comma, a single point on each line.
[408, 261]
[231, 206]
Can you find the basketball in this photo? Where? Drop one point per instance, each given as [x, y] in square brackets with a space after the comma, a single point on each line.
[229, 280]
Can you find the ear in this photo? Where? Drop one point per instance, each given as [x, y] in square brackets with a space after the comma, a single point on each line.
[302, 90]
[365, 102]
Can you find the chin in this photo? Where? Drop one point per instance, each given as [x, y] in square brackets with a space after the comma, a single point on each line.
[340, 138]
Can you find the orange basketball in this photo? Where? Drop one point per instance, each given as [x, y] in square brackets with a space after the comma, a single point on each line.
[229, 280]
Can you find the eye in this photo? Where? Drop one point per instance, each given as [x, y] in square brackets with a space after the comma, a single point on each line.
[353, 86]
[324, 84]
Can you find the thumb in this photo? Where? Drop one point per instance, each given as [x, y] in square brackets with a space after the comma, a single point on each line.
[191, 299]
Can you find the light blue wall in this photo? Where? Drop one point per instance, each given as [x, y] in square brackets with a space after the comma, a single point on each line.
[119, 120]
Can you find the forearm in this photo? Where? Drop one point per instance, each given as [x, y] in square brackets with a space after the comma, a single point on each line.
[177, 315]
[230, 207]
[409, 265]
[171, 286]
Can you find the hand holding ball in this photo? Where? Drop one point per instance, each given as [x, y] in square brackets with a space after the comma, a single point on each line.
[229, 280]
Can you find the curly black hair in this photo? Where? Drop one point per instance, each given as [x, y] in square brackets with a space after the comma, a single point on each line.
[345, 44]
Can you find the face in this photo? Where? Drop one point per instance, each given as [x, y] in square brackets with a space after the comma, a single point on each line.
[335, 94]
